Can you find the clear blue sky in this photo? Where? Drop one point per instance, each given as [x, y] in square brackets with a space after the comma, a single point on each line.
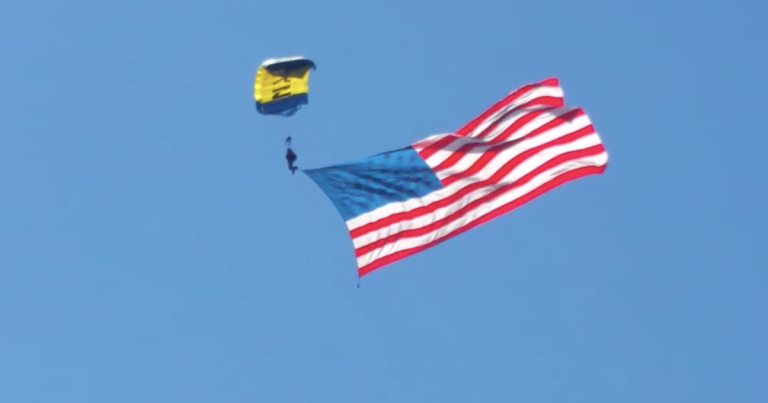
[155, 249]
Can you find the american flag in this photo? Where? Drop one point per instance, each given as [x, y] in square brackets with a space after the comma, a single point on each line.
[402, 202]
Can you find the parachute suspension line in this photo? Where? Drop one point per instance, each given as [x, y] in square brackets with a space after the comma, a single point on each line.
[288, 138]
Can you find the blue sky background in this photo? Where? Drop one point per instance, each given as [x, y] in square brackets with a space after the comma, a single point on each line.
[154, 248]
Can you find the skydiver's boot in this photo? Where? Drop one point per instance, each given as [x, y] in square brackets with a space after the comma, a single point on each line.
[292, 168]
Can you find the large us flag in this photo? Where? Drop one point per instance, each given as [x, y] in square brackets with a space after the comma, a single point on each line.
[402, 202]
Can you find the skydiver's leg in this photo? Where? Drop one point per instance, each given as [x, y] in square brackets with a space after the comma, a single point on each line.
[291, 158]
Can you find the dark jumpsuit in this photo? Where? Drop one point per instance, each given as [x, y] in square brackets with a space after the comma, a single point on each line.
[290, 156]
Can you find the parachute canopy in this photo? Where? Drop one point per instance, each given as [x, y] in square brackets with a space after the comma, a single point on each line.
[282, 85]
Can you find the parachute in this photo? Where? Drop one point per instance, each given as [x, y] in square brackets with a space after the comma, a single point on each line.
[281, 86]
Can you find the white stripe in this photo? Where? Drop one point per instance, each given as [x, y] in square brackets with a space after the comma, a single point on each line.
[468, 159]
[537, 92]
[484, 174]
[505, 123]
[524, 168]
[440, 156]
[408, 243]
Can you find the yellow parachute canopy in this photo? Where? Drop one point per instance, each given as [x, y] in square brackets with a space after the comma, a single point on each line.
[282, 85]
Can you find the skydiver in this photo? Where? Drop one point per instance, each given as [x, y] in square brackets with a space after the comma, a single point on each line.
[291, 157]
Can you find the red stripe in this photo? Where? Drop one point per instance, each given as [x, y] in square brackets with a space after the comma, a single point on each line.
[462, 151]
[558, 181]
[493, 151]
[507, 133]
[557, 160]
[550, 82]
[446, 141]
[490, 154]
[496, 177]
[540, 101]
[441, 144]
